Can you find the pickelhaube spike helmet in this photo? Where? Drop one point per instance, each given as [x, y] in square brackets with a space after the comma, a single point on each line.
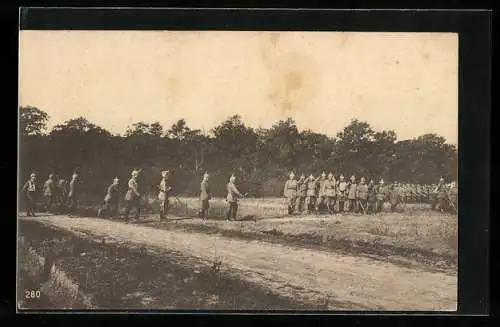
[311, 176]
[232, 178]
[164, 173]
[353, 178]
[32, 175]
[291, 175]
[441, 179]
[116, 179]
[330, 174]
[205, 175]
[323, 174]
[341, 177]
[134, 172]
[362, 179]
[381, 181]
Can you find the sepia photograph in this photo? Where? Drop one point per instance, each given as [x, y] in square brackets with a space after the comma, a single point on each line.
[238, 170]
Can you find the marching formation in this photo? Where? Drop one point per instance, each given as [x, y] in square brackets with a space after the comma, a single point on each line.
[322, 194]
[325, 193]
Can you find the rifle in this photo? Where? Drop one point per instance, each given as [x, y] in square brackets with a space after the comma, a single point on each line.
[451, 202]
[359, 203]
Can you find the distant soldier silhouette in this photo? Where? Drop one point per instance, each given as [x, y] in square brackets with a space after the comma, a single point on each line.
[29, 191]
[110, 208]
[290, 192]
[163, 194]
[301, 194]
[380, 195]
[321, 198]
[341, 194]
[372, 197]
[133, 197]
[329, 193]
[361, 196]
[74, 193]
[49, 192]
[351, 195]
[233, 194]
[438, 202]
[205, 196]
[311, 193]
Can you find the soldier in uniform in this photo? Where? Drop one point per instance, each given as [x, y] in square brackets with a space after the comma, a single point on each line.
[394, 195]
[133, 197]
[302, 193]
[29, 191]
[63, 191]
[438, 202]
[311, 193]
[290, 192]
[380, 195]
[110, 200]
[320, 202]
[233, 194]
[329, 193]
[351, 195]
[73, 194]
[341, 194]
[372, 197]
[205, 196]
[163, 194]
[453, 196]
[361, 195]
[49, 192]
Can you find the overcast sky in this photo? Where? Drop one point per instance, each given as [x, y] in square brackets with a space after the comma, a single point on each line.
[406, 82]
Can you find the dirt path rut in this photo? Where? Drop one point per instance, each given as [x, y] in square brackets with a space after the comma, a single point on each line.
[333, 281]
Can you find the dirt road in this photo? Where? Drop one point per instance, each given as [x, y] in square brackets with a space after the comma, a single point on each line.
[339, 281]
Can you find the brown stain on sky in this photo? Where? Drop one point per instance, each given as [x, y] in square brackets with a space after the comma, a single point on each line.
[115, 78]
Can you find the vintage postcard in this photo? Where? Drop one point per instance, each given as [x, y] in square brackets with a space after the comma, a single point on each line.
[238, 170]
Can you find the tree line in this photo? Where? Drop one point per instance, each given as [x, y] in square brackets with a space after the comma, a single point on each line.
[261, 158]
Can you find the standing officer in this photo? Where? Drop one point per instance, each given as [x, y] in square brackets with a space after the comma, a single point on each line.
[29, 192]
[351, 195]
[302, 193]
[395, 195]
[329, 193]
[372, 197]
[320, 203]
[204, 197]
[133, 196]
[361, 195]
[380, 194]
[110, 200]
[290, 192]
[439, 196]
[163, 194]
[311, 193]
[74, 189]
[232, 198]
[49, 192]
[341, 194]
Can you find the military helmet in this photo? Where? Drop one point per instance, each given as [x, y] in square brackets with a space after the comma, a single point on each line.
[292, 175]
[341, 177]
[32, 175]
[330, 175]
[134, 173]
[323, 174]
[116, 179]
[51, 175]
[205, 175]
[362, 179]
[232, 178]
[74, 176]
[353, 178]
[371, 181]
[311, 176]
[441, 179]
[381, 181]
[164, 173]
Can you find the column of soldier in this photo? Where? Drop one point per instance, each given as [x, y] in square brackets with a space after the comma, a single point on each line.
[305, 195]
[325, 193]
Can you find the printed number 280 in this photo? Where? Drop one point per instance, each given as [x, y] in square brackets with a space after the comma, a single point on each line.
[32, 294]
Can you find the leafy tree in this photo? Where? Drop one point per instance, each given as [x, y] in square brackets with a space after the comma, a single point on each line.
[33, 121]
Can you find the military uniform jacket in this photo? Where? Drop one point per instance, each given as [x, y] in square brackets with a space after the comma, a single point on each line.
[341, 189]
[362, 192]
[204, 191]
[329, 188]
[48, 187]
[351, 193]
[133, 192]
[321, 187]
[394, 195]
[302, 185]
[441, 191]
[311, 188]
[232, 193]
[371, 193]
[380, 192]
[73, 189]
[162, 195]
[29, 187]
[290, 190]
[112, 193]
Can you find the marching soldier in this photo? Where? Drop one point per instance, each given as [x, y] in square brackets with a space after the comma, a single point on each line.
[380, 194]
[49, 192]
[341, 194]
[438, 202]
[110, 200]
[329, 193]
[205, 196]
[163, 194]
[372, 197]
[320, 202]
[311, 193]
[290, 192]
[302, 193]
[233, 194]
[361, 195]
[351, 195]
[133, 196]
[74, 190]
[29, 192]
